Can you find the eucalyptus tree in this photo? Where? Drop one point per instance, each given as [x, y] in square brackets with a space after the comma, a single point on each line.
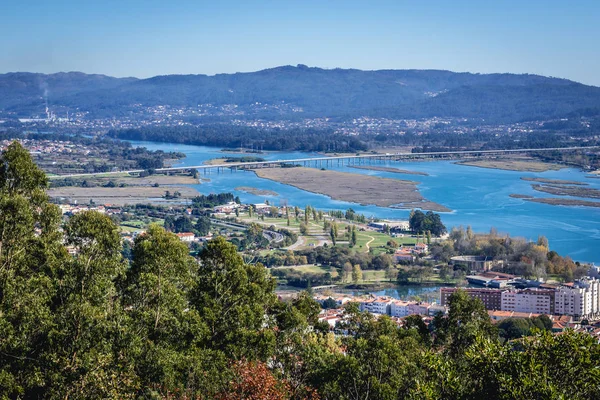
[31, 252]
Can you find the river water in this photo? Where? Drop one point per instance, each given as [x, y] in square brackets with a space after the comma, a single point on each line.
[479, 197]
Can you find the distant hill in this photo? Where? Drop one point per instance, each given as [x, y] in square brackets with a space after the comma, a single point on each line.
[318, 92]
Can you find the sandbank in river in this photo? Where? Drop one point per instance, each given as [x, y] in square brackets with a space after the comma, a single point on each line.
[355, 188]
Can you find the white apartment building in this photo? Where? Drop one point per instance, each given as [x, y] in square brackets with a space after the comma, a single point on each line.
[399, 308]
[537, 301]
[579, 299]
[418, 308]
[380, 305]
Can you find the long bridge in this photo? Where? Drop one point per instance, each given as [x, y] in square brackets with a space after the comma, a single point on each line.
[338, 160]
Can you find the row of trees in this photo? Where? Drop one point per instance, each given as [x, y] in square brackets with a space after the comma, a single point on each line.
[234, 136]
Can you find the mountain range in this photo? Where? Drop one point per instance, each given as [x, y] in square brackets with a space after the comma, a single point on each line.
[310, 92]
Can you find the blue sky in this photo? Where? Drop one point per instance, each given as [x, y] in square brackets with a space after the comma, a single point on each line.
[147, 38]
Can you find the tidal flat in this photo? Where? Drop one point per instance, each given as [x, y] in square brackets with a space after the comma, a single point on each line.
[356, 188]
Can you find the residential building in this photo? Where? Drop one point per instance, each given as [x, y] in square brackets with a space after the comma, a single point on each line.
[377, 305]
[538, 301]
[403, 254]
[399, 308]
[186, 237]
[227, 208]
[579, 299]
[418, 308]
[491, 298]
[421, 248]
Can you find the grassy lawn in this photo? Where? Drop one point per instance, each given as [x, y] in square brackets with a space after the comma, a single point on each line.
[315, 269]
[373, 276]
[377, 240]
[129, 229]
[134, 224]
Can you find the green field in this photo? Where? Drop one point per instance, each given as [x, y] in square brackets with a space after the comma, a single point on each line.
[314, 269]
[367, 240]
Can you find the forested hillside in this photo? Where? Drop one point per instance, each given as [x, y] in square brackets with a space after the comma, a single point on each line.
[311, 92]
[80, 321]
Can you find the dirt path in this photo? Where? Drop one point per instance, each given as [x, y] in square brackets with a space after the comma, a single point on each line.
[369, 242]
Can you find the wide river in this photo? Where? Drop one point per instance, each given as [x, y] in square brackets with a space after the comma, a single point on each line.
[479, 197]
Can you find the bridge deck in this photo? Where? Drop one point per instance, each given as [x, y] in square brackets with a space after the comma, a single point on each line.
[338, 158]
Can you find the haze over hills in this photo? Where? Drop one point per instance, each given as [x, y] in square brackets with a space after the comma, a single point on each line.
[344, 93]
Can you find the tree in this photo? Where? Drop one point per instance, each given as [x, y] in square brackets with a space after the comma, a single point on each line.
[274, 211]
[391, 273]
[86, 315]
[303, 229]
[356, 273]
[420, 223]
[403, 276]
[333, 235]
[233, 298]
[353, 237]
[467, 320]
[182, 224]
[29, 263]
[543, 241]
[203, 225]
[445, 273]
[382, 261]
[329, 303]
[253, 380]
[346, 271]
[156, 295]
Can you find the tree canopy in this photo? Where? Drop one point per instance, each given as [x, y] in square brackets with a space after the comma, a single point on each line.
[78, 320]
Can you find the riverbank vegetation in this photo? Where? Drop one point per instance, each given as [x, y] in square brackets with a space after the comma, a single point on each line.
[234, 136]
[80, 320]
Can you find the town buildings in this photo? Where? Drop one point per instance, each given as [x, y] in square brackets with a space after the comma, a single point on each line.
[475, 263]
[580, 299]
[491, 298]
[538, 301]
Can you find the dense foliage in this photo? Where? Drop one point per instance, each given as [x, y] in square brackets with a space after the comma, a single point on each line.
[228, 135]
[310, 91]
[77, 320]
[212, 200]
[431, 222]
[519, 256]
